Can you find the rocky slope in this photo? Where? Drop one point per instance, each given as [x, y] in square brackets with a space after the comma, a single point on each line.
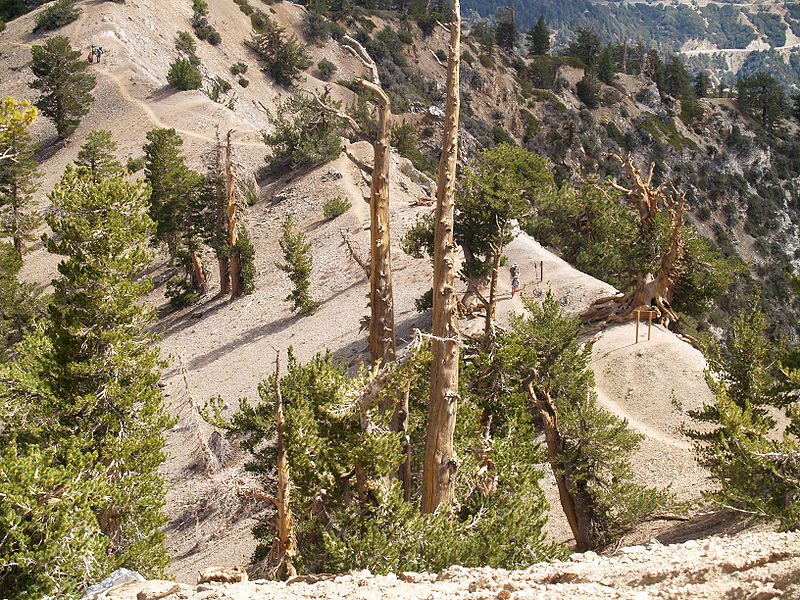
[751, 566]
[222, 347]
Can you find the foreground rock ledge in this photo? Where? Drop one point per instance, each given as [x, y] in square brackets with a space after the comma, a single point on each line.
[747, 566]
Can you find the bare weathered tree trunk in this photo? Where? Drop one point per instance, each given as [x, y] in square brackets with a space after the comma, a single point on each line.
[578, 520]
[438, 477]
[649, 289]
[234, 268]
[221, 223]
[199, 283]
[381, 326]
[283, 548]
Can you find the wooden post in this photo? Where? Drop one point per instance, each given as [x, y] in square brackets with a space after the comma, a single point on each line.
[541, 271]
[637, 326]
[649, 323]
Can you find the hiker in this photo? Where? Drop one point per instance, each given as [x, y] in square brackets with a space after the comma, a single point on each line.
[514, 279]
[99, 53]
[91, 55]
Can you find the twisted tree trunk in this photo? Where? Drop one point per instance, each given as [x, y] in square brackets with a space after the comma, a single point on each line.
[571, 503]
[438, 477]
[649, 289]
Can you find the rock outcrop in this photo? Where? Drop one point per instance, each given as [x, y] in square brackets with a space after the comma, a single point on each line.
[747, 566]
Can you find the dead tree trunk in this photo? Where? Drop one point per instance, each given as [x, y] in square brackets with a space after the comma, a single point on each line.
[221, 221]
[235, 268]
[579, 522]
[440, 465]
[283, 547]
[649, 289]
[199, 283]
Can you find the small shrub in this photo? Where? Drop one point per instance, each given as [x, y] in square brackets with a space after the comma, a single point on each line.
[441, 55]
[200, 7]
[185, 43]
[57, 15]
[224, 85]
[135, 164]
[214, 38]
[243, 82]
[180, 294]
[487, 61]
[335, 206]
[250, 192]
[588, 90]
[184, 75]
[326, 69]
[406, 37]
[467, 57]
[239, 68]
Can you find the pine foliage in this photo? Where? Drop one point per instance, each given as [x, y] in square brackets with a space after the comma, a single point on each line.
[18, 172]
[597, 445]
[304, 135]
[755, 460]
[284, 57]
[97, 155]
[342, 526]
[65, 87]
[84, 385]
[297, 265]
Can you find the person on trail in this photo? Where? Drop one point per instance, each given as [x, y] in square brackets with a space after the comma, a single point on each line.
[91, 55]
[99, 53]
[514, 279]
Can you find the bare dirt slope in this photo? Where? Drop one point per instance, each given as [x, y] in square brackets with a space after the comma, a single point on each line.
[225, 348]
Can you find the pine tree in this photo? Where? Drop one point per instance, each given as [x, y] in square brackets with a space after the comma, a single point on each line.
[177, 205]
[85, 384]
[607, 66]
[761, 97]
[97, 155]
[589, 448]
[297, 254]
[65, 88]
[755, 462]
[538, 38]
[18, 172]
[104, 370]
[52, 545]
[504, 186]
[18, 301]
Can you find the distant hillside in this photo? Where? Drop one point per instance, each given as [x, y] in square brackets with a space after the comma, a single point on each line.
[725, 39]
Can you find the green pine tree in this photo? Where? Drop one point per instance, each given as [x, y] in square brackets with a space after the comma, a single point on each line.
[97, 155]
[18, 172]
[298, 264]
[607, 66]
[51, 544]
[86, 382]
[19, 304]
[595, 447]
[64, 85]
[538, 38]
[755, 462]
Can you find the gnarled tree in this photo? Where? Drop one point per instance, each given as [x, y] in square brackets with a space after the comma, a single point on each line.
[440, 464]
[647, 286]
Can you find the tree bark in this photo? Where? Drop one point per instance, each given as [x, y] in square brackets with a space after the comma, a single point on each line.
[199, 283]
[440, 465]
[234, 268]
[381, 326]
[573, 509]
[284, 547]
[650, 289]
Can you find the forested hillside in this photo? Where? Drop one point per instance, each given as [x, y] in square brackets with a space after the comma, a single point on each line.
[724, 39]
[315, 288]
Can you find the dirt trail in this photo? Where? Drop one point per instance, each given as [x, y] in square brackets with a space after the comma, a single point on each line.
[184, 105]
